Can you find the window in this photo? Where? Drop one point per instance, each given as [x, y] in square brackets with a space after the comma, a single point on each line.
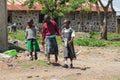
[9, 17]
[89, 16]
[41, 18]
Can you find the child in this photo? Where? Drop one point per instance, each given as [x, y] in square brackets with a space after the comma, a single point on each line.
[32, 44]
[68, 34]
[49, 31]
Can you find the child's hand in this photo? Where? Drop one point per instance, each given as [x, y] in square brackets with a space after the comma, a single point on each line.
[69, 42]
[38, 35]
[45, 54]
[25, 41]
[62, 39]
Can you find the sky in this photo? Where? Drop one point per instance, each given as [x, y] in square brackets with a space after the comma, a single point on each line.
[116, 5]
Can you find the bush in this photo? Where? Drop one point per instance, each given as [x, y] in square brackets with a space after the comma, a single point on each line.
[113, 39]
[90, 42]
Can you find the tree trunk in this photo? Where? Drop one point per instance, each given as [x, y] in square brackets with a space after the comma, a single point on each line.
[104, 27]
[118, 26]
[104, 22]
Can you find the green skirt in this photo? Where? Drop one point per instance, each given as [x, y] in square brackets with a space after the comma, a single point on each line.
[32, 45]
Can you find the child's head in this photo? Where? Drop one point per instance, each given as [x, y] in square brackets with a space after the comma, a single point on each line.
[30, 23]
[47, 18]
[66, 23]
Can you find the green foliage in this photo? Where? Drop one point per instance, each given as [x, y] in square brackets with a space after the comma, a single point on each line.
[33, 63]
[74, 4]
[63, 1]
[113, 39]
[29, 3]
[91, 34]
[113, 35]
[26, 65]
[93, 1]
[90, 42]
[56, 7]
[94, 35]
[40, 63]
[20, 35]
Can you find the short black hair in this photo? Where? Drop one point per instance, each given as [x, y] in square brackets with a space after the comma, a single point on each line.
[47, 16]
[67, 21]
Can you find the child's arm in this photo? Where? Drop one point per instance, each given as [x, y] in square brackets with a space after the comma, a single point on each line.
[71, 40]
[26, 34]
[72, 36]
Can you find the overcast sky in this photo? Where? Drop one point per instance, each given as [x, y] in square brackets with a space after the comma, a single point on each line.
[116, 5]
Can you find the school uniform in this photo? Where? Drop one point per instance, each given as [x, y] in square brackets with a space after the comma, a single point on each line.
[49, 31]
[32, 44]
[69, 51]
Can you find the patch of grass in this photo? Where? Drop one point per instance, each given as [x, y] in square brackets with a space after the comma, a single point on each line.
[113, 36]
[40, 63]
[59, 40]
[117, 79]
[20, 35]
[33, 63]
[26, 65]
[90, 42]
[113, 39]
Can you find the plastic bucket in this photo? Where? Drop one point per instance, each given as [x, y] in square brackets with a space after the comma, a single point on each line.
[11, 52]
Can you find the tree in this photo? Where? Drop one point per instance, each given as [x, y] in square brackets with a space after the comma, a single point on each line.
[56, 7]
[104, 21]
[60, 7]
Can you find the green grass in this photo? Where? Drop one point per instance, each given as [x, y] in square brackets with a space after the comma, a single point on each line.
[90, 42]
[93, 40]
[20, 35]
[33, 63]
[40, 63]
[26, 65]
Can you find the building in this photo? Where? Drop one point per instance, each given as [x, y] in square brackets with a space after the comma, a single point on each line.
[20, 14]
[89, 21]
[80, 22]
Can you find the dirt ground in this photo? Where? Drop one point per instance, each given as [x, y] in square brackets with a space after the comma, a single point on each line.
[91, 64]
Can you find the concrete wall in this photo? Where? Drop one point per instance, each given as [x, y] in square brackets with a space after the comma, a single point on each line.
[3, 24]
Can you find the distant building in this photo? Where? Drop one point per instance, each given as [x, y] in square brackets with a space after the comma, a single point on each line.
[90, 21]
[20, 14]
[85, 22]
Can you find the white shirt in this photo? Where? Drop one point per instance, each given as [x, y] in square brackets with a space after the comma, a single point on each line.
[67, 30]
[14, 24]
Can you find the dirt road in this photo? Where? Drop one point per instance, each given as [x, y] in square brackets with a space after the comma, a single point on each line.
[91, 64]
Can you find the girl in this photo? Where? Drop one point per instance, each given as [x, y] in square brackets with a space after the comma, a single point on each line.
[49, 30]
[68, 34]
[32, 44]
